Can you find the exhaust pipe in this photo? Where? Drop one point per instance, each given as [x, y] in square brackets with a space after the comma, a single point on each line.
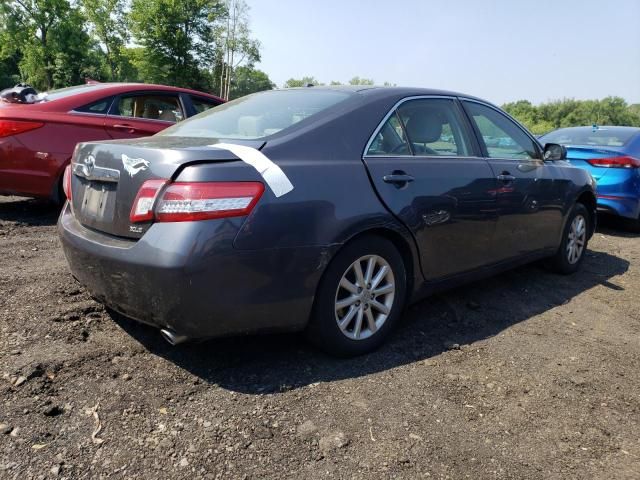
[172, 338]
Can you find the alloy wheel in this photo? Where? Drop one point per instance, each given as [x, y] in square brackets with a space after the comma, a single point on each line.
[576, 239]
[364, 297]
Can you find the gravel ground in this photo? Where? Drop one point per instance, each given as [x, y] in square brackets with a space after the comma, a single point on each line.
[528, 375]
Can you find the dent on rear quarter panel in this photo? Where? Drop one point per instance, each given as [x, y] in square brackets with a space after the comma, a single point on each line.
[332, 199]
[330, 202]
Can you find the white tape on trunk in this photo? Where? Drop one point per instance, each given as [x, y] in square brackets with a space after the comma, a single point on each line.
[271, 173]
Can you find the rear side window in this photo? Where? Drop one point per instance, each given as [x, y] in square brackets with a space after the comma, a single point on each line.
[391, 140]
[502, 137]
[99, 107]
[151, 107]
[202, 104]
[424, 127]
[258, 115]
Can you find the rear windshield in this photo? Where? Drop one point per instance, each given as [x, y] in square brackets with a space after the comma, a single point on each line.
[257, 116]
[66, 92]
[600, 137]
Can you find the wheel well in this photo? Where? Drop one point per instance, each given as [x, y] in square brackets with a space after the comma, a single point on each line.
[403, 247]
[57, 192]
[588, 199]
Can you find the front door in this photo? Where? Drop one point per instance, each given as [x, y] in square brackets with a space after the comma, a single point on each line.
[423, 166]
[530, 193]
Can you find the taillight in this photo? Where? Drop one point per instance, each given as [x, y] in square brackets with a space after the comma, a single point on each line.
[187, 201]
[142, 209]
[66, 182]
[615, 162]
[14, 127]
[190, 201]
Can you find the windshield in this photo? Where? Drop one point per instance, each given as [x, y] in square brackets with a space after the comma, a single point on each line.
[257, 116]
[600, 137]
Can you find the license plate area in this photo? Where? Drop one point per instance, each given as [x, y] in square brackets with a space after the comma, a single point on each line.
[98, 203]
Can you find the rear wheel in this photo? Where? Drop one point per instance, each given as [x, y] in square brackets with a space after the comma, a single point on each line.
[575, 237]
[632, 225]
[360, 298]
[58, 196]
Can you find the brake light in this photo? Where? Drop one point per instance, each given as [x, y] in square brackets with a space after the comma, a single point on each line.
[142, 209]
[188, 201]
[615, 162]
[14, 127]
[66, 182]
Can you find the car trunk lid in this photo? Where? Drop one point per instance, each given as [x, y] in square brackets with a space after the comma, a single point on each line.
[106, 176]
[579, 156]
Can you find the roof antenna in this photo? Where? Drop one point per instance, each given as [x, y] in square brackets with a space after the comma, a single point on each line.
[594, 127]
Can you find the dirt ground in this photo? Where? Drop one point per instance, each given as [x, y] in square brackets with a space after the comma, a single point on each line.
[528, 375]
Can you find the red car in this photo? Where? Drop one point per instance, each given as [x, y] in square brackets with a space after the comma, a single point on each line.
[37, 139]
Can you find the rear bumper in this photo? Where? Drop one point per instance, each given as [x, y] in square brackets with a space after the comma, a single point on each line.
[624, 206]
[619, 192]
[188, 277]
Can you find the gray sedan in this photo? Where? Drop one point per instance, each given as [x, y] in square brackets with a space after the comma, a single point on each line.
[318, 209]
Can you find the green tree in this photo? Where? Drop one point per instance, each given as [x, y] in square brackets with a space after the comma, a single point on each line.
[179, 38]
[302, 82]
[10, 53]
[236, 45]
[50, 41]
[569, 112]
[248, 80]
[107, 25]
[360, 81]
[36, 19]
[75, 56]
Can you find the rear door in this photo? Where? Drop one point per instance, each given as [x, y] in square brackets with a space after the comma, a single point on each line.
[423, 162]
[531, 192]
[144, 113]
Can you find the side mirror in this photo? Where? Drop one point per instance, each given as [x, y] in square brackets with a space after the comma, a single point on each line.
[554, 151]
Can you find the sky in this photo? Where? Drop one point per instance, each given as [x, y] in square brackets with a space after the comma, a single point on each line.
[499, 50]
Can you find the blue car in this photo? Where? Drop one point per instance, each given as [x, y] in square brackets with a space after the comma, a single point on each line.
[612, 156]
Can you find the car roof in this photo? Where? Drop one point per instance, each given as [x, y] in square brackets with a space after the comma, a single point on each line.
[135, 85]
[91, 92]
[375, 90]
[599, 127]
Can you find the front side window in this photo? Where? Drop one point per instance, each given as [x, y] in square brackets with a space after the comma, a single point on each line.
[423, 127]
[259, 115]
[502, 137]
[151, 107]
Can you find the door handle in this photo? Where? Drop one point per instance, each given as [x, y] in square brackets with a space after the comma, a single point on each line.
[124, 126]
[506, 177]
[398, 179]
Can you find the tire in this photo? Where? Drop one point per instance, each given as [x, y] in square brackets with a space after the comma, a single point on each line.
[59, 197]
[340, 287]
[632, 225]
[575, 238]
